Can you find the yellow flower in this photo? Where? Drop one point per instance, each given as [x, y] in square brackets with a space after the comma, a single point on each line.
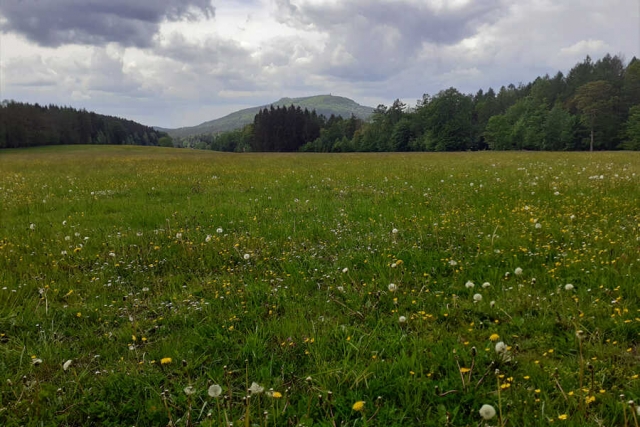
[276, 395]
[494, 337]
[464, 370]
[165, 360]
[358, 406]
[563, 417]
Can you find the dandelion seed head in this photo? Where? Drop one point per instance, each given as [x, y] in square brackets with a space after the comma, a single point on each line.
[189, 390]
[392, 287]
[345, 270]
[469, 284]
[568, 287]
[477, 297]
[256, 388]
[402, 319]
[487, 412]
[214, 390]
[518, 271]
[485, 285]
[66, 364]
[501, 347]
[219, 230]
[246, 256]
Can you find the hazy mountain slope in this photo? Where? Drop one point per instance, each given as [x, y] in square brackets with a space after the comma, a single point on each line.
[323, 104]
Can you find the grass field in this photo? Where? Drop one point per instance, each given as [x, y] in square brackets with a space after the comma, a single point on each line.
[146, 286]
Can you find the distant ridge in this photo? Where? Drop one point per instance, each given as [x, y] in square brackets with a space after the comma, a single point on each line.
[323, 104]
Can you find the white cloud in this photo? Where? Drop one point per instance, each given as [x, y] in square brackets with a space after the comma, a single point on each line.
[251, 52]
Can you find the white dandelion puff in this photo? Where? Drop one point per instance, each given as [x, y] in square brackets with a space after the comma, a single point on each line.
[246, 256]
[219, 230]
[256, 388]
[392, 287]
[214, 391]
[469, 284]
[487, 412]
[477, 297]
[402, 319]
[518, 271]
[568, 287]
[66, 364]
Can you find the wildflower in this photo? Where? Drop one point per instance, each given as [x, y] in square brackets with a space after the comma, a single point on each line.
[580, 334]
[394, 231]
[256, 388]
[487, 412]
[275, 394]
[345, 270]
[246, 256]
[219, 230]
[485, 285]
[208, 238]
[392, 287]
[453, 263]
[214, 391]
[568, 287]
[189, 390]
[538, 225]
[66, 364]
[477, 297]
[402, 319]
[165, 360]
[563, 417]
[518, 271]
[32, 226]
[501, 347]
[469, 284]
[358, 406]
[494, 337]
[36, 361]
[492, 303]
[178, 236]
[64, 223]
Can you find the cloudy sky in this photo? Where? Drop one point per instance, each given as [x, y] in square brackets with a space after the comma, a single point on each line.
[177, 63]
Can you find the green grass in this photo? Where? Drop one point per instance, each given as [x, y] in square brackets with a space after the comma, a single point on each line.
[123, 267]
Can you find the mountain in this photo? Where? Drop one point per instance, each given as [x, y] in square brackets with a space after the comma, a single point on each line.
[323, 104]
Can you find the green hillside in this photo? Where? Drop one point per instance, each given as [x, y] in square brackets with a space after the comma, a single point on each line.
[323, 104]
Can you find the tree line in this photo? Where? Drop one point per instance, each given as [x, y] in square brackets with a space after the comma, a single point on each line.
[595, 106]
[27, 125]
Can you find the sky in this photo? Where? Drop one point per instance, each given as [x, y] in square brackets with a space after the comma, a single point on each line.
[175, 63]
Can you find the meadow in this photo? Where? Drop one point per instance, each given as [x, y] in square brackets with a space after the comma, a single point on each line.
[147, 286]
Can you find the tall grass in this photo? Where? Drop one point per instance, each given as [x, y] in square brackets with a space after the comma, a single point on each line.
[159, 273]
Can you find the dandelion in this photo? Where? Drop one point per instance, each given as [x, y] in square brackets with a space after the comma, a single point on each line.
[36, 361]
[189, 390]
[219, 230]
[275, 394]
[492, 303]
[518, 271]
[563, 417]
[256, 388]
[538, 225]
[568, 287]
[359, 406]
[402, 319]
[345, 270]
[487, 412]
[477, 298]
[394, 231]
[485, 285]
[246, 256]
[208, 238]
[494, 337]
[214, 391]
[165, 360]
[469, 284]
[178, 236]
[66, 364]
[32, 226]
[501, 347]
[392, 287]
[453, 263]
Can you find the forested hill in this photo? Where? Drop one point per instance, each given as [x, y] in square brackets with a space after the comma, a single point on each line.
[27, 125]
[326, 105]
[594, 106]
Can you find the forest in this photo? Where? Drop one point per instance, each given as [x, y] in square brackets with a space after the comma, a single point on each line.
[595, 106]
[27, 125]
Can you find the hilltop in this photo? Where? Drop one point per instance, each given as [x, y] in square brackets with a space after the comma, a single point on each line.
[323, 104]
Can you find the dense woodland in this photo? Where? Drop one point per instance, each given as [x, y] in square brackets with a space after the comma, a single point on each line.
[595, 106]
[26, 125]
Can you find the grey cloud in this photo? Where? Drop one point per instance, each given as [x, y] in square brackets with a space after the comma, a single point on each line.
[369, 40]
[96, 22]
